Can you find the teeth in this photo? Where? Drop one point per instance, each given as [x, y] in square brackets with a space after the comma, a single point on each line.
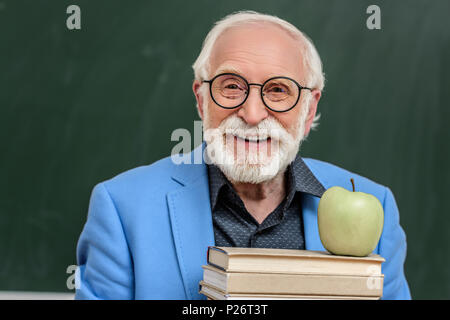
[253, 138]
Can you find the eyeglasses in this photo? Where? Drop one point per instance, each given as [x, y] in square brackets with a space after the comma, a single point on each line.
[230, 90]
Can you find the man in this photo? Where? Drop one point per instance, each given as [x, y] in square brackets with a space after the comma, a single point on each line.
[258, 81]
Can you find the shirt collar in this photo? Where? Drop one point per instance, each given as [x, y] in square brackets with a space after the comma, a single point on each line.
[301, 179]
[216, 181]
[305, 180]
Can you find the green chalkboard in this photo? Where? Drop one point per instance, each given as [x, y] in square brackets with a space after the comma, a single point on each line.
[80, 106]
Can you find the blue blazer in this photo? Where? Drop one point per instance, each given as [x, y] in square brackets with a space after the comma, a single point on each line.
[148, 230]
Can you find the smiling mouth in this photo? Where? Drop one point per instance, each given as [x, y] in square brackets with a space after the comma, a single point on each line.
[253, 139]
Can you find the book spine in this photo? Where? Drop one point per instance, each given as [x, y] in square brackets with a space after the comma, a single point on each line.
[208, 260]
[207, 253]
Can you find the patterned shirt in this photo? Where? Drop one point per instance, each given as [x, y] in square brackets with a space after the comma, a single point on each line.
[234, 226]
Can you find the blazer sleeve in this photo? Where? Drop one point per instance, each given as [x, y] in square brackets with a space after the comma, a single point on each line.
[103, 256]
[392, 247]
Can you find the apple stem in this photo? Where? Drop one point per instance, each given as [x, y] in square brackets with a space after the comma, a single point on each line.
[353, 184]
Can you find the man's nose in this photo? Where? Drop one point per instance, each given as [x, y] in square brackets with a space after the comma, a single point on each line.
[253, 111]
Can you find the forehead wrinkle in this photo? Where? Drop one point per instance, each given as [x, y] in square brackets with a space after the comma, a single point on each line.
[248, 55]
[228, 69]
[232, 68]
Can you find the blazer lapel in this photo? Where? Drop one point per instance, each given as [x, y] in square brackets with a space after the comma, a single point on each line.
[191, 222]
[310, 204]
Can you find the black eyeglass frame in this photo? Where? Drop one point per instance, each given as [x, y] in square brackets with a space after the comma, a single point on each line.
[260, 91]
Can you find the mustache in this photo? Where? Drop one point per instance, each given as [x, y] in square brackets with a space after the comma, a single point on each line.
[267, 128]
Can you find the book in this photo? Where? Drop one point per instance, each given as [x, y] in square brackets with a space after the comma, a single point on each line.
[213, 293]
[293, 284]
[263, 260]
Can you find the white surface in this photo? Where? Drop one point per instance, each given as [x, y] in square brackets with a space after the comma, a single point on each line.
[30, 295]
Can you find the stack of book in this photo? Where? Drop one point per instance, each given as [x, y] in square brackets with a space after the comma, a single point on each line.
[255, 273]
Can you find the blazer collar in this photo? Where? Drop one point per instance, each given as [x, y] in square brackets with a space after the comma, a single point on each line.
[192, 168]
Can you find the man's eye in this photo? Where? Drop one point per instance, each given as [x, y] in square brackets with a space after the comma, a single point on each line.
[232, 86]
[277, 90]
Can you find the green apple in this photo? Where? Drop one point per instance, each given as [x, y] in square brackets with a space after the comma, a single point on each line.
[350, 223]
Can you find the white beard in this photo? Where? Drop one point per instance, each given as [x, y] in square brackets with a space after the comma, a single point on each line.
[252, 165]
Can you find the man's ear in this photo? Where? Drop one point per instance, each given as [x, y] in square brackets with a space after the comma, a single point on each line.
[196, 87]
[313, 102]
